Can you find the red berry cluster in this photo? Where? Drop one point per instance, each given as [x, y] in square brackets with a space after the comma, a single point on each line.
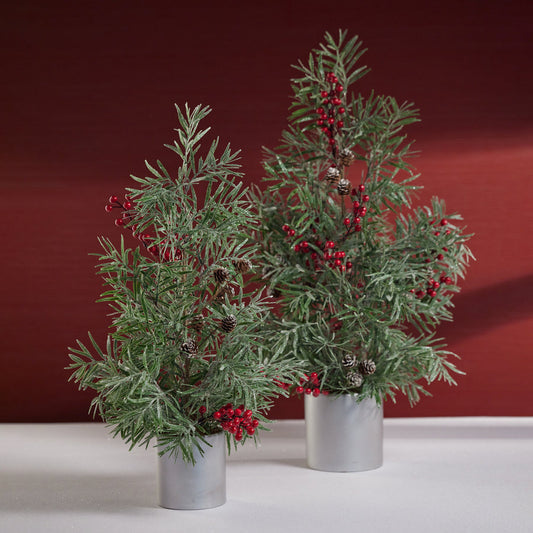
[433, 287]
[124, 220]
[310, 385]
[329, 113]
[359, 210]
[236, 421]
[442, 223]
[126, 205]
[327, 256]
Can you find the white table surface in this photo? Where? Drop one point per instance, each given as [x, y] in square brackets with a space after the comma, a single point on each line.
[448, 475]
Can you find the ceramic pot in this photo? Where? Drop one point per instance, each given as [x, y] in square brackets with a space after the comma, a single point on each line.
[183, 485]
[343, 435]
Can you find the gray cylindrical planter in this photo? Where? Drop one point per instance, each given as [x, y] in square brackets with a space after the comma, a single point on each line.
[183, 485]
[343, 435]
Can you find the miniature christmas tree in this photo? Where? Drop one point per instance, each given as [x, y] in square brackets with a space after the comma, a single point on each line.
[184, 357]
[361, 276]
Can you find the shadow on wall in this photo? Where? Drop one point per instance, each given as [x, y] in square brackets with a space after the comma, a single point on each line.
[489, 307]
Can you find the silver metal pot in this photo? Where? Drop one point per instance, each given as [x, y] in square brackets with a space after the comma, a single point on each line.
[343, 435]
[200, 486]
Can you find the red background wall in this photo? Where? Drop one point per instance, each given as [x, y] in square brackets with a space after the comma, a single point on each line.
[87, 94]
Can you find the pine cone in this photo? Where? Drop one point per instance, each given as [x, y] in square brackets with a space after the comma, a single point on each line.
[197, 323]
[346, 157]
[221, 275]
[333, 175]
[344, 187]
[349, 360]
[228, 323]
[367, 367]
[221, 295]
[189, 348]
[242, 265]
[354, 379]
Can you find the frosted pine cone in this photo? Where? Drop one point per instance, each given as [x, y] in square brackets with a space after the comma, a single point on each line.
[344, 187]
[221, 294]
[189, 348]
[228, 323]
[346, 157]
[367, 367]
[197, 323]
[333, 175]
[221, 275]
[349, 360]
[354, 379]
[242, 265]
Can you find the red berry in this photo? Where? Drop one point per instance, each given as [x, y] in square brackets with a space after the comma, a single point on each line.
[440, 257]
[338, 262]
[331, 142]
[285, 227]
[357, 220]
[331, 120]
[444, 248]
[299, 389]
[330, 244]
[356, 204]
[304, 244]
[347, 221]
[291, 233]
[320, 110]
[339, 88]
[316, 392]
[358, 227]
[230, 412]
[427, 260]
[217, 415]
[341, 110]
[361, 187]
[349, 264]
[448, 280]
[202, 409]
[108, 208]
[340, 124]
[250, 431]
[324, 94]
[443, 222]
[238, 412]
[432, 293]
[436, 284]
[113, 199]
[308, 391]
[296, 247]
[365, 198]
[324, 116]
[127, 204]
[119, 222]
[247, 413]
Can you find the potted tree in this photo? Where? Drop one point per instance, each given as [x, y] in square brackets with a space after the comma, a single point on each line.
[184, 365]
[362, 276]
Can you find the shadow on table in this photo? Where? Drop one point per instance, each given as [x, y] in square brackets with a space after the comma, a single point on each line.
[438, 430]
[55, 492]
